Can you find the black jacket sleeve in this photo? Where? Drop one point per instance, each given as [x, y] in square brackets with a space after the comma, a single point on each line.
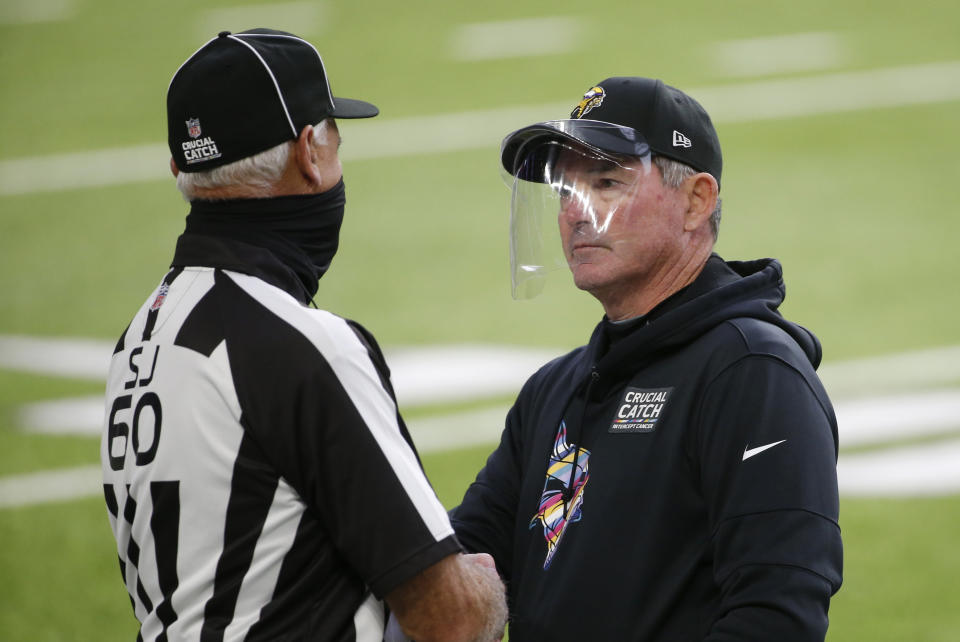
[767, 459]
[484, 521]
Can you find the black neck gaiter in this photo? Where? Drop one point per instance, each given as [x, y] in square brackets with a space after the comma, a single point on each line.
[302, 231]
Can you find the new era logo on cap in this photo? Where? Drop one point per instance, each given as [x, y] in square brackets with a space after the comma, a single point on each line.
[679, 140]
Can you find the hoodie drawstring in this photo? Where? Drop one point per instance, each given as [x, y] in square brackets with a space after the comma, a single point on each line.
[568, 490]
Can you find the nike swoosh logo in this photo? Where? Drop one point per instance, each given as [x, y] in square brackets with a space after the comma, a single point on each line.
[748, 453]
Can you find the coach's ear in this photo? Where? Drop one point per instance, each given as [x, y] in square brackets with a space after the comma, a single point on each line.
[173, 168]
[703, 192]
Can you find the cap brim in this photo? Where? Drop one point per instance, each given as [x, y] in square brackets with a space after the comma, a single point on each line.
[595, 134]
[351, 108]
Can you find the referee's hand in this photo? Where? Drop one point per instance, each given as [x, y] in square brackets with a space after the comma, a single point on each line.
[461, 598]
[484, 560]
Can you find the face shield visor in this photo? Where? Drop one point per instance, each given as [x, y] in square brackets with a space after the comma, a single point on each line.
[567, 192]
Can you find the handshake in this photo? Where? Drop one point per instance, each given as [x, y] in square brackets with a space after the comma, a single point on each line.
[459, 599]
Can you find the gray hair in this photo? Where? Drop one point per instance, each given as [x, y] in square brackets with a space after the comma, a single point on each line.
[261, 171]
[674, 173]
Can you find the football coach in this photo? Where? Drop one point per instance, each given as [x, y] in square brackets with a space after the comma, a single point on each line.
[260, 482]
[675, 478]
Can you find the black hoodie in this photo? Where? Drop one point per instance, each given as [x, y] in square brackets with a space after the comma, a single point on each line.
[674, 479]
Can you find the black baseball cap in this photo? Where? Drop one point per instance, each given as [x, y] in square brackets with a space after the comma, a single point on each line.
[630, 115]
[243, 93]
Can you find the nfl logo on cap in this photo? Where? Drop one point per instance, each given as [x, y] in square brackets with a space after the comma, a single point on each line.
[253, 90]
[193, 127]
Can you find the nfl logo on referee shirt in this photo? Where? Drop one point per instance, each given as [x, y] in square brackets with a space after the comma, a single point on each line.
[193, 127]
[161, 295]
[640, 409]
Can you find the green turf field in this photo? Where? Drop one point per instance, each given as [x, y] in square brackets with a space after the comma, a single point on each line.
[859, 203]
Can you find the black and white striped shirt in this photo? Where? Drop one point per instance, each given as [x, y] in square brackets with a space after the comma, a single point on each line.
[259, 480]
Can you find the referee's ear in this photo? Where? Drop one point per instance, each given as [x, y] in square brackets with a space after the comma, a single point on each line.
[306, 157]
[173, 168]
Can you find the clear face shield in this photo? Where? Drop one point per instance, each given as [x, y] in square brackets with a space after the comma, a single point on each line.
[566, 195]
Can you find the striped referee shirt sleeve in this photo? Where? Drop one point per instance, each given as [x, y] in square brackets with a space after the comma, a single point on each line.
[317, 405]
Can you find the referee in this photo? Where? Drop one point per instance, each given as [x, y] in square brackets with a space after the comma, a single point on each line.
[259, 480]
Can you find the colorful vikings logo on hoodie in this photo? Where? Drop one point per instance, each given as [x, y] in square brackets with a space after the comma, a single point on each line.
[562, 498]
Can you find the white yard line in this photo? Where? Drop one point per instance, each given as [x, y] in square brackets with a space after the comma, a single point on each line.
[515, 38]
[436, 374]
[833, 93]
[876, 420]
[69, 416]
[483, 129]
[421, 375]
[428, 375]
[898, 372]
[458, 430]
[923, 470]
[909, 471]
[779, 54]
[425, 375]
[58, 357]
[431, 434]
[98, 168]
[13, 12]
[50, 486]
[862, 421]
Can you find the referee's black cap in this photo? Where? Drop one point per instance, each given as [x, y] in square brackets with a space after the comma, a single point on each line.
[243, 93]
[622, 115]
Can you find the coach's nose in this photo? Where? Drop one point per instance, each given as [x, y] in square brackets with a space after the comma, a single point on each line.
[576, 209]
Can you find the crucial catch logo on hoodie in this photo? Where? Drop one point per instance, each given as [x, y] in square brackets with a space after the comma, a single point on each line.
[640, 409]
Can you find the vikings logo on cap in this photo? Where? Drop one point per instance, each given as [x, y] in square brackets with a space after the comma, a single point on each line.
[562, 498]
[593, 98]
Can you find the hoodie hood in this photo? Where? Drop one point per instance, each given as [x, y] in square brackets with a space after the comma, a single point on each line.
[723, 291]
